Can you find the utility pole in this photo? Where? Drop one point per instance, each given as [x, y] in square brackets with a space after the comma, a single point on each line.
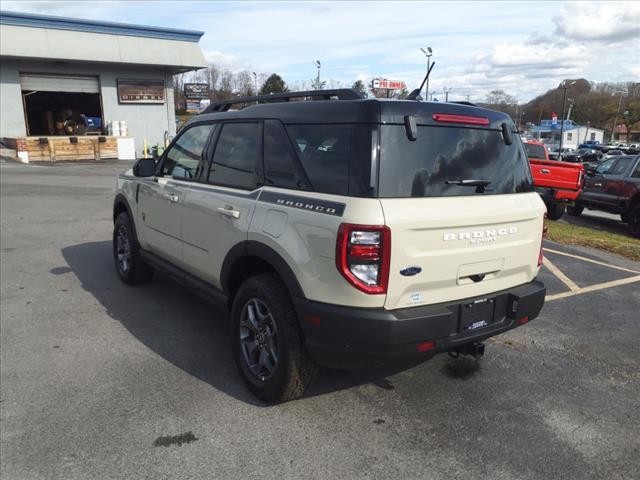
[428, 54]
[446, 93]
[571, 104]
[431, 94]
[318, 65]
[468, 97]
[255, 81]
[564, 87]
[615, 120]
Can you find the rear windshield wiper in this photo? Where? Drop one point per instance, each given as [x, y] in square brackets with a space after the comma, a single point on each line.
[479, 184]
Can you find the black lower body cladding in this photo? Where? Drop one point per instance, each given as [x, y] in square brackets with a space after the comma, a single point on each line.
[346, 337]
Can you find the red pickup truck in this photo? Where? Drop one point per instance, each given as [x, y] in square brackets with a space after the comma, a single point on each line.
[558, 183]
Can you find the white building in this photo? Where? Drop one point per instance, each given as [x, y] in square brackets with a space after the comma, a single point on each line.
[548, 132]
[54, 69]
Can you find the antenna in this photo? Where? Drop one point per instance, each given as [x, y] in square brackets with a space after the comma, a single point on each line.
[416, 93]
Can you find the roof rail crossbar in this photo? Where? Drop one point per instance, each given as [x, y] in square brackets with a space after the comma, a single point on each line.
[340, 94]
[465, 103]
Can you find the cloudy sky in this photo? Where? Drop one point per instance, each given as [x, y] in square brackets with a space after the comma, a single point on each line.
[523, 48]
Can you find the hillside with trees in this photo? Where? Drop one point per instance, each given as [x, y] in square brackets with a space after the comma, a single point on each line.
[590, 103]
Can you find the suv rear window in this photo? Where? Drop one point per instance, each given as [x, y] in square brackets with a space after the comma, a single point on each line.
[440, 154]
[535, 151]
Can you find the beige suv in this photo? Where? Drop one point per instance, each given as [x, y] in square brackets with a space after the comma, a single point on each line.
[340, 231]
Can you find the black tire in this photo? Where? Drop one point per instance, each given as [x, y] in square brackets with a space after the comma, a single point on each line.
[575, 210]
[634, 220]
[131, 269]
[555, 211]
[293, 370]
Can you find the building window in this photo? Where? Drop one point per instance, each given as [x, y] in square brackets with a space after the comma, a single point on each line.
[569, 136]
[593, 136]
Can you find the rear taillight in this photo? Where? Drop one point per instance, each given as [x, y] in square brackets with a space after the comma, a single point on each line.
[363, 255]
[544, 234]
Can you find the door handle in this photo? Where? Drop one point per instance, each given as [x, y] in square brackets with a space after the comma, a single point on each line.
[597, 184]
[545, 171]
[229, 211]
[172, 197]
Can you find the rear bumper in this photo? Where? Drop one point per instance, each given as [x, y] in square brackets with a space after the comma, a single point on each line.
[557, 195]
[346, 337]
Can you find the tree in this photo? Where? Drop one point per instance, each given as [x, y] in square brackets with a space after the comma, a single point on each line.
[503, 102]
[273, 84]
[358, 86]
[318, 86]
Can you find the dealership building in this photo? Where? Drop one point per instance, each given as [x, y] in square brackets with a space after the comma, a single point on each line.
[82, 89]
[549, 132]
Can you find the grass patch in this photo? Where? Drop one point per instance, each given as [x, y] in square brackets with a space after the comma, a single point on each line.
[588, 237]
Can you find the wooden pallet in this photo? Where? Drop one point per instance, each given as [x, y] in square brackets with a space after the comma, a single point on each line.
[61, 149]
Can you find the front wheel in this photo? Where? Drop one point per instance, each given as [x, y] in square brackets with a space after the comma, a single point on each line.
[268, 346]
[634, 221]
[130, 267]
[555, 210]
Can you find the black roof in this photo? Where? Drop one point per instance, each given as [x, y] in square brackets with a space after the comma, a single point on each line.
[350, 109]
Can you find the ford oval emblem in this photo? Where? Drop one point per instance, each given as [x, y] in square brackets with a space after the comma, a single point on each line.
[410, 271]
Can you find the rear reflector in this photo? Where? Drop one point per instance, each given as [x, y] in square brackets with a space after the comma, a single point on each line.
[468, 119]
[426, 346]
[523, 320]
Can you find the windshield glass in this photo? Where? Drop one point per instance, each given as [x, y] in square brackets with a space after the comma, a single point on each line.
[535, 151]
[440, 156]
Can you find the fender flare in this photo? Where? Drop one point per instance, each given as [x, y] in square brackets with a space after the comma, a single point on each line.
[266, 253]
[122, 199]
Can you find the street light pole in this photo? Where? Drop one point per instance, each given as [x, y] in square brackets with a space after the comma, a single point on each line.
[318, 65]
[255, 81]
[564, 87]
[428, 54]
[615, 120]
[446, 93]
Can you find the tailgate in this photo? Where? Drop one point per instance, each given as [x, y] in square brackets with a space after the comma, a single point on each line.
[560, 175]
[463, 246]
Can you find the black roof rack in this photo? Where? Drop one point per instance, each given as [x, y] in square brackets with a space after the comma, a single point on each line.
[340, 94]
[465, 103]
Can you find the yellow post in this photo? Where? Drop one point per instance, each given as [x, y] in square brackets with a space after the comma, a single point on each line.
[144, 148]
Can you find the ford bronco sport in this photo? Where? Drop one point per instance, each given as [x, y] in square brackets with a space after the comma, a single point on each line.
[340, 231]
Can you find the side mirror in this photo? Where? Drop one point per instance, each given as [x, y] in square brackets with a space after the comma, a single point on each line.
[145, 167]
[591, 171]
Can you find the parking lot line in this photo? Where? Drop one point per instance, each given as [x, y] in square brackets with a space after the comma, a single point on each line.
[593, 288]
[585, 259]
[561, 276]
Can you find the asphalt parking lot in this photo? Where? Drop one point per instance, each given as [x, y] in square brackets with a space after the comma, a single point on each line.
[100, 380]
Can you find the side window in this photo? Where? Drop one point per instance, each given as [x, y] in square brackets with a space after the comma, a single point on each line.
[185, 154]
[280, 163]
[636, 171]
[605, 166]
[324, 151]
[237, 156]
[569, 136]
[621, 166]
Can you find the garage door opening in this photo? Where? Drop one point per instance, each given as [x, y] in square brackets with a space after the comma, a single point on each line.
[61, 105]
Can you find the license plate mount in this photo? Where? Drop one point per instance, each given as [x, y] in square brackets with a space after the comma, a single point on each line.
[477, 314]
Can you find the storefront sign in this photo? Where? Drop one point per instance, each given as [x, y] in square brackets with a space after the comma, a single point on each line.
[385, 84]
[193, 91]
[195, 106]
[140, 91]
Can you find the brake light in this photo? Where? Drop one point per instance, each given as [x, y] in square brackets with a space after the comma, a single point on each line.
[363, 256]
[468, 119]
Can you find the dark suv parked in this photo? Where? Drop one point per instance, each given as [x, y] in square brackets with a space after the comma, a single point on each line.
[613, 186]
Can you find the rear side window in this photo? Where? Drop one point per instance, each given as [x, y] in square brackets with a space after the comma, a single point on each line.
[636, 171]
[324, 151]
[441, 156]
[535, 151]
[280, 162]
[621, 166]
[237, 156]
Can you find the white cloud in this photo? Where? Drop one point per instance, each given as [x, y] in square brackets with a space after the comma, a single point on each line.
[612, 21]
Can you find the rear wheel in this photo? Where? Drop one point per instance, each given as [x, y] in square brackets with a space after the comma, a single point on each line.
[575, 210]
[634, 220]
[126, 253]
[555, 211]
[268, 346]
